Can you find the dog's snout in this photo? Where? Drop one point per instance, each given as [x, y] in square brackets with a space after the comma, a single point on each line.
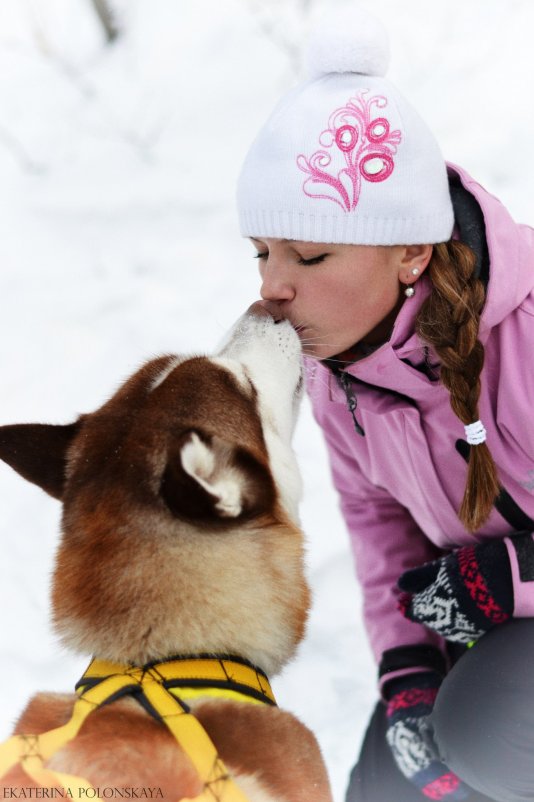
[266, 309]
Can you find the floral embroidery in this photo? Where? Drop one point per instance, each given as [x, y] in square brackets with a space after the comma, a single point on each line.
[359, 147]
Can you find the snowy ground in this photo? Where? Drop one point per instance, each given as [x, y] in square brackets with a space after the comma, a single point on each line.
[118, 241]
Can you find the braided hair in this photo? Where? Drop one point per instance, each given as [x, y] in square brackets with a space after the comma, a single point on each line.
[449, 321]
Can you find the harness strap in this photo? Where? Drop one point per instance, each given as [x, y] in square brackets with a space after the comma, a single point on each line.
[229, 674]
[32, 751]
[105, 682]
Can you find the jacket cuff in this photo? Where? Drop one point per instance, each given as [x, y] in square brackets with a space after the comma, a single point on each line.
[521, 554]
[420, 681]
[405, 660]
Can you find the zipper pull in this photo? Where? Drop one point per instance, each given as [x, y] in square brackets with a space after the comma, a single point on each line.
[351, 399]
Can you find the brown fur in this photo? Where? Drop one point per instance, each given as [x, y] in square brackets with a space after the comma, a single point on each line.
[149, 567]
[124, 745]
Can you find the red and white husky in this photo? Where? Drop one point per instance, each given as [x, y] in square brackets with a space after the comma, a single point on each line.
[180, 536]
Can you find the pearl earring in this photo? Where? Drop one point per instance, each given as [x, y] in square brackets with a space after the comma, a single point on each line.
[410, 290]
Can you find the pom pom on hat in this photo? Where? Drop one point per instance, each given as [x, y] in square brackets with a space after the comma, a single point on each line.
[348, 41]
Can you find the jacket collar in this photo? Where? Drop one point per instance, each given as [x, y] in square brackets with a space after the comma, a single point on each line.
[504, 247]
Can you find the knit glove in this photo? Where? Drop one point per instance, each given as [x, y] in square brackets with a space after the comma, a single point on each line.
[409, 736]
[463, 595]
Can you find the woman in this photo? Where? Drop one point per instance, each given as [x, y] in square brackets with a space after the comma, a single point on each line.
[413, 292]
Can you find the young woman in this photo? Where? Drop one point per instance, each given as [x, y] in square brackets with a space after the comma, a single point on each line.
[413, 292]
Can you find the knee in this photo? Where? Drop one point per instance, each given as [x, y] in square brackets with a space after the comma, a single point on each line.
[484, 732]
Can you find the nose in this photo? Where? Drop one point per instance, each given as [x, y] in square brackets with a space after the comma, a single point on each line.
[276, 284]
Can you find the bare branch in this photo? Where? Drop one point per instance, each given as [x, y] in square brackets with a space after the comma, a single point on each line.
[271, 29]
[19, 152]
[107, 18]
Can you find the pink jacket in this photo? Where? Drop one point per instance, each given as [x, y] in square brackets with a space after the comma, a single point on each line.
[401, 483]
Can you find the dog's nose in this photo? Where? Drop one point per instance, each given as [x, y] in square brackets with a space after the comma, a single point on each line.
[266, 309]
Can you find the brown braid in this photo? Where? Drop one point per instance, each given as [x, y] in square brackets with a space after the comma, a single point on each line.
[449, 321]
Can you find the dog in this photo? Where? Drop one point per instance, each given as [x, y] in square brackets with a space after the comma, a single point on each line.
[181, 557]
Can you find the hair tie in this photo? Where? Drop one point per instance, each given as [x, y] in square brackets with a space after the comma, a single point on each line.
[475, 433]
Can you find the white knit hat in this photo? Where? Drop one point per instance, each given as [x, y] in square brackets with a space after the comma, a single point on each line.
[344, 158]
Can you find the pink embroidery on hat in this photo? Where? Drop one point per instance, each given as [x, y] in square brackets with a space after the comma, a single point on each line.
[358, 147]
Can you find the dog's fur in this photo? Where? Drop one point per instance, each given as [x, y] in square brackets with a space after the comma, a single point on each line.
[180, 536]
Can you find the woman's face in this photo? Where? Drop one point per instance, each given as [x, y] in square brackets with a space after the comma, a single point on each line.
[337, 295]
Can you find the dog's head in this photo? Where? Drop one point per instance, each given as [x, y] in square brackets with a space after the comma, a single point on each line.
[180, 497]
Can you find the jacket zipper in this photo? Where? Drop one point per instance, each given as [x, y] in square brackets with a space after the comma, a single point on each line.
[350, 395]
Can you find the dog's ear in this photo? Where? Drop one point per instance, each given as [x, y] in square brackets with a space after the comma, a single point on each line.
[38, 452]
[209, 478]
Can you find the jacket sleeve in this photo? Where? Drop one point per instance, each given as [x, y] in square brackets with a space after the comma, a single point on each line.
[521, 555]
[385, 542]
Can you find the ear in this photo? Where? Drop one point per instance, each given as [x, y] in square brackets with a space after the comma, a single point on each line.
[38, 452]
[414, 258]
[210, 479]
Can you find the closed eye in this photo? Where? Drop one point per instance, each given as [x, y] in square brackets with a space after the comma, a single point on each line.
[314, 261]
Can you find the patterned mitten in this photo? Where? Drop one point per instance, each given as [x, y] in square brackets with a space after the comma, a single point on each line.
[409, 736]
[463, 595]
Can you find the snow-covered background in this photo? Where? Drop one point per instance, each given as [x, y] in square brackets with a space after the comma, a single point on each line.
[118, 241]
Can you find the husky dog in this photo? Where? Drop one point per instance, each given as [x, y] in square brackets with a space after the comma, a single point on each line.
[180, 538]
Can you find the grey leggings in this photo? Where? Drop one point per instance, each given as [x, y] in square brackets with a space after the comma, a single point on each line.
[483, 724]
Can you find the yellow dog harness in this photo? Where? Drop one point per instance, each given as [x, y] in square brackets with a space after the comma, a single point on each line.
[161, 688]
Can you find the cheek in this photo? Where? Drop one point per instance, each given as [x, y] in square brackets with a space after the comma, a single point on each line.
[360, 295]
[349, 287]
[352, 310]
[377, 291]
[354, 293]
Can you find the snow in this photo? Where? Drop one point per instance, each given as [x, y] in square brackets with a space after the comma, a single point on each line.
[119, 241]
